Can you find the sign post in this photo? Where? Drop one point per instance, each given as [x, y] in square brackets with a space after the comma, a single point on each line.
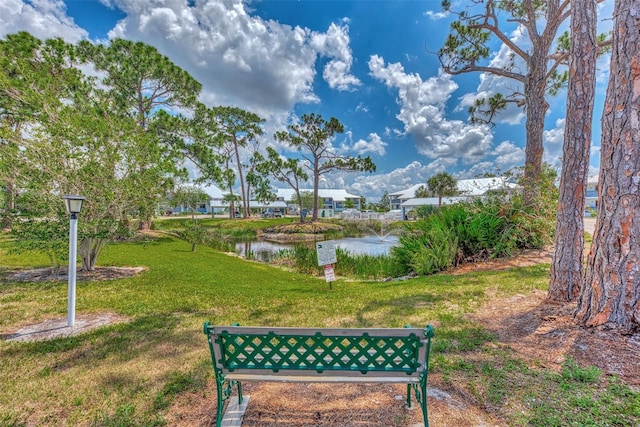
[327, 257]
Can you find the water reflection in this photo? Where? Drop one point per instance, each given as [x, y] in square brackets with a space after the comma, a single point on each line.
[266, 251]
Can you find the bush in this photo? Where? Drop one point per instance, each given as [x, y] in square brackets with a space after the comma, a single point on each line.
[425, 211]
[495, 227]
[49, 236]
[438, 254]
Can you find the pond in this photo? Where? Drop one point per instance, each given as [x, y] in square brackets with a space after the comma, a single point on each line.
[265, 251]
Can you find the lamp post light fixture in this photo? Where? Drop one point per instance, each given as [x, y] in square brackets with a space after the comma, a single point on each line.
[74, 205]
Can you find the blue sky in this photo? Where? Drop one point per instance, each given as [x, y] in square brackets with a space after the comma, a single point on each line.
[367, 63]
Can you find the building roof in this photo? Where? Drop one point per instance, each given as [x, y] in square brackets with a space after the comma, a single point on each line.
[433, 201]
[276, 204]
[480, 186]
[408, 193]
[466, 187]
[338, 195]
[214, 191]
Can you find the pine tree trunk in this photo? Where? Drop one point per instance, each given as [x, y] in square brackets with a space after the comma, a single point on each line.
[566, 269]
[316, 178]
[536, 107]
[245, 199]
[611, 295]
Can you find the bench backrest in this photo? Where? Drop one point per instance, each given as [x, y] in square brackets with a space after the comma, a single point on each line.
[325, 351]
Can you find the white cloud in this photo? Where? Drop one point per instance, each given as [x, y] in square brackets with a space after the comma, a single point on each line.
[362, 108]
[422, 105]
[555, 135]
[375, 145]
[508, 156]
[396, 133]
[553, 143]
[372, 186]
[335, 44]
[436, 16]
[241, 59]
[478, 169]
[42, 18]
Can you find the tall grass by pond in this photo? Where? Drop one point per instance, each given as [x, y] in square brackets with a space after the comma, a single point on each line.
[156, 363]
[371, 267]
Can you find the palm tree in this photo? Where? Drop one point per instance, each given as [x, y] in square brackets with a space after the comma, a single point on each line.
[442, 184]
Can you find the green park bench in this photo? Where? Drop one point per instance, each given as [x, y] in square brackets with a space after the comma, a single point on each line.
[365, 355]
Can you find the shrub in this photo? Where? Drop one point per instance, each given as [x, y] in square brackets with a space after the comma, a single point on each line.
[425, 211]
[490, 228]
[438, 253]
[426, 244]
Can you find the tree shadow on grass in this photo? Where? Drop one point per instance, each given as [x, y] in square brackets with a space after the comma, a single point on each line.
[122, 341]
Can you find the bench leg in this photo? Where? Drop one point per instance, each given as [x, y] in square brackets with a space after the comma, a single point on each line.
[224, 390]
[420, 391]
[423, 401]
[219, 392]
[408, 395]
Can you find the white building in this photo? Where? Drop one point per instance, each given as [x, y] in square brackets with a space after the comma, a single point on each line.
[215, 203]
[331, 201]
[406, 200]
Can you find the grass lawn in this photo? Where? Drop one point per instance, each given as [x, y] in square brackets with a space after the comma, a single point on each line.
[130, 374]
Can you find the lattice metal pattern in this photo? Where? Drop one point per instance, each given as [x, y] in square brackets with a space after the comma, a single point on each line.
[318, 352]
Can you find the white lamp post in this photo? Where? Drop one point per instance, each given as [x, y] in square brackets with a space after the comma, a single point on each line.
[74, 205]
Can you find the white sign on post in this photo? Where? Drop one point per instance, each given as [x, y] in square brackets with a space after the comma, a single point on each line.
[326, 252]
[329, 274]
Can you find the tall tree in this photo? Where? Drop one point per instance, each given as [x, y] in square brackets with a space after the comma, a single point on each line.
[312, 137]
[196, 139]
[213, 153]
[80, 152]
[384, 204]
[535, 70]
[567, 266]
[422, 192]
[35, 80]
[287, 171]
[258, 184]
[237, 128]
[611, 295]
[442, 184]
[142, 82]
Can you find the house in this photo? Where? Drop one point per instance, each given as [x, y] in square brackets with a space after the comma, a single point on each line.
[331, 201]
[406, 200]
[275, 206]
[215, 203]
[396, 199]
[592, 192]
